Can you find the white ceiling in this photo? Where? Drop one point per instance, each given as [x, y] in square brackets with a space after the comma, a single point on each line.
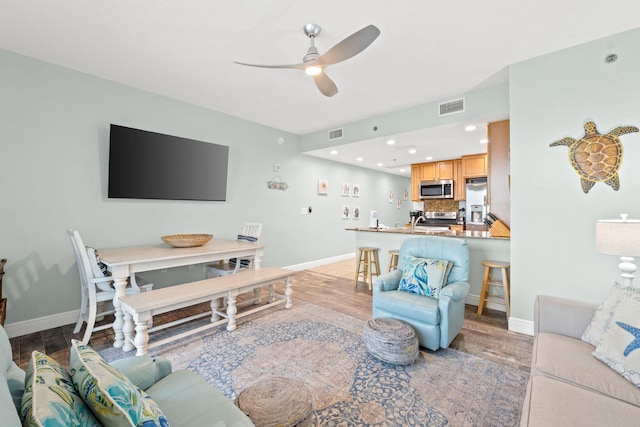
[428, 50]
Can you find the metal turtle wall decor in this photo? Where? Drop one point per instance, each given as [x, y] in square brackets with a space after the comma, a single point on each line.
[596, 157]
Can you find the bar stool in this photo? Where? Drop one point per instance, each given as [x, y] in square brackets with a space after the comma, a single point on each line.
[488, 282]
[393, 259]
[367, 259]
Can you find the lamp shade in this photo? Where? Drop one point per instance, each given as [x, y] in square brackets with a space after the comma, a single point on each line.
[618, 236]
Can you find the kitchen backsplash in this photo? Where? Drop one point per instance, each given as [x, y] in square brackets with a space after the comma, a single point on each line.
[440, 205]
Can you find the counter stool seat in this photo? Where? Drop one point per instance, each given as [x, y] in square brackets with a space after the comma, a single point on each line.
[393, 259]
[486, 294]
[277, 401]
[367, 260]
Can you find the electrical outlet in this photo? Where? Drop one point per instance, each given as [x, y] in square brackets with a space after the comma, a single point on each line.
[304, 211]
[277, 167]
[191, 267]
[164, 270]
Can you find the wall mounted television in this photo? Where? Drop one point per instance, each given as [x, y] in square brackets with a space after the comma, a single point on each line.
[149, 165]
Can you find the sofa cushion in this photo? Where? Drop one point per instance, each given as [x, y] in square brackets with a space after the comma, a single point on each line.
[604, 312]
[411, 306]
[424, 276]
[111, 396]
[188, 400]
[557, 403]
[619, 347]
[50, 399]
[571, 360]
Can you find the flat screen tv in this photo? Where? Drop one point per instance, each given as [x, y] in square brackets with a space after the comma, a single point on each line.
[149, 165]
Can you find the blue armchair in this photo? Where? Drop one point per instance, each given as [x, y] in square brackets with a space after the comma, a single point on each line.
[436, 321]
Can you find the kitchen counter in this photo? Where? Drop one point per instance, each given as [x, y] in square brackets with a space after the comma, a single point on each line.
[433, 231]
[482, 246]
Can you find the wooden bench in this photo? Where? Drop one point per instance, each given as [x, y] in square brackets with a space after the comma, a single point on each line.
[139, 309]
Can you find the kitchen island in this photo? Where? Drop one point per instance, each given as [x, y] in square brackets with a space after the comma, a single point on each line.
[482, 246]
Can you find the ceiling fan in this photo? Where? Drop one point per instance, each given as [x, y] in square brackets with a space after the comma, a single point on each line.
[314, 64]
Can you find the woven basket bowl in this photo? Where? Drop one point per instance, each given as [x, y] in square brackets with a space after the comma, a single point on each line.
[186, 240]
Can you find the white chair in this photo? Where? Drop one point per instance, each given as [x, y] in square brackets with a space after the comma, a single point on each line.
[251, 232]
[96, 288]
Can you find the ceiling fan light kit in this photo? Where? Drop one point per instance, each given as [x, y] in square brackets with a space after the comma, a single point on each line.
[314, 64]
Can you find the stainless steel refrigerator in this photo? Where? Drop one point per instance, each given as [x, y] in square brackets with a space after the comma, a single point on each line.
[476, 211]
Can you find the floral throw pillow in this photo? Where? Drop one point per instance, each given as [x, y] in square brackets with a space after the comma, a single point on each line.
[424, 276]
[50, 399]
[620, 344]
[112, 397]
[602, 318]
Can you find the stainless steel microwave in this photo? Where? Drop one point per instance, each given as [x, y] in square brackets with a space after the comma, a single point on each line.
[442, 189]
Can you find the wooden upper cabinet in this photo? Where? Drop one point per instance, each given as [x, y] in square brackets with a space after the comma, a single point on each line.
[436, 171]
[415, 182]
[499, 170]
[459, 189]
[474, 166]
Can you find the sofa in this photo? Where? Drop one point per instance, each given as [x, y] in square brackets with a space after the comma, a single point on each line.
[568, 386]
[183, 397]
[436, 318]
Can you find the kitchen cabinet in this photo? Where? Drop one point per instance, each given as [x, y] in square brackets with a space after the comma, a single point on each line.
[499, 170]
[415, 182]
[474, 166]
[436, 171]
[459, 188]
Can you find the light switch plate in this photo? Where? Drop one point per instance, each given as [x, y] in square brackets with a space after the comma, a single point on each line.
[277, 167]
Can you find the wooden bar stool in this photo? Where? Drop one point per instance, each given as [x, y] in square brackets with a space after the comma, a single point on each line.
[487, 282]
[393, 259]
[367, 259]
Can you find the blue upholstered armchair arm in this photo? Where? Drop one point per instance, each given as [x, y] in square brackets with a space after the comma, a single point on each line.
[456, 291]
[143, 371]
[387, 281]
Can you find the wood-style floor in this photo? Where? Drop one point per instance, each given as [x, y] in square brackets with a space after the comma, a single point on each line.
[485, 336]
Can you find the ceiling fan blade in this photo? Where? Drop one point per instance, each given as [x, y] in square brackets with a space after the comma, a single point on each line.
[296, 66]
[351, 46]
[325, 84]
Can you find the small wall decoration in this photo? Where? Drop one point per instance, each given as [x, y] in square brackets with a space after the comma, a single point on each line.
[406, 194]
[277, 184]
[398, 204]
[356, 190]
[323, 186]
[390, 197]
[346, 210]
[346, 189]
[596, 157]
[356, 212]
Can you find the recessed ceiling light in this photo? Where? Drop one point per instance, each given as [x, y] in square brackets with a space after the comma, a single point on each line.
[428, 158]
[484, 141]
[470, 128]
[359, 159]
[391, 142]
[380, 164]
[334, 152]
[402, 170]
[412, 151]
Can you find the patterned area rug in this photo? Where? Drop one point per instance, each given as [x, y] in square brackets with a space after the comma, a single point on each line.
[324, 348]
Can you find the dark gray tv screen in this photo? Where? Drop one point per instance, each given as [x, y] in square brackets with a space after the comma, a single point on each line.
[149, 165]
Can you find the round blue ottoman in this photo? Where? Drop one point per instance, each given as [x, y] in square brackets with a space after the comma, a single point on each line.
[391, 340]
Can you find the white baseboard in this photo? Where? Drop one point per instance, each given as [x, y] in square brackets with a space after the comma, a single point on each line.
[30, 326]
[318, 263]
[515, 325]
[521, 326]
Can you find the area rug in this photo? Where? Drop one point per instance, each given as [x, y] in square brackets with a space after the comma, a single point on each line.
[324, 348]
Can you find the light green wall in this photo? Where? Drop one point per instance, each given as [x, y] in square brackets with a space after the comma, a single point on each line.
[553, 221]
[54, 137]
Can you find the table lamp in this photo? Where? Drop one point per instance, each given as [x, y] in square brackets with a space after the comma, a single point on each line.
[620, 237]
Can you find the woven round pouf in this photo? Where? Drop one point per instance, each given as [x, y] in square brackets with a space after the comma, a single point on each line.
[277, 402]
[391, 340]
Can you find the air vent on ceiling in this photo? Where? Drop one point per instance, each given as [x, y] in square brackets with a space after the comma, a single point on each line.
[451, 107]
[335, 134]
